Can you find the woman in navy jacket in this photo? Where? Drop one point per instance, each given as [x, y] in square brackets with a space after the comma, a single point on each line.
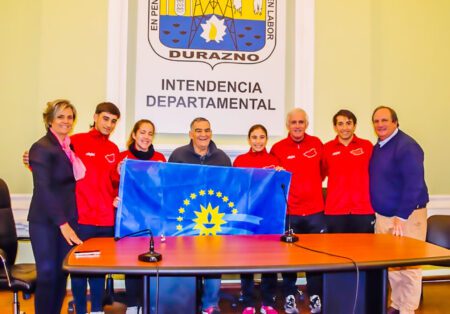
[53, 212]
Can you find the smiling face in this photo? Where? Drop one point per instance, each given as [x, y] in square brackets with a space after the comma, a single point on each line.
[345, 129]
[62, 123]
[383, 123]
[201, 135]
[257, 140]
[105, 122]
[296, 124]
[143, 137]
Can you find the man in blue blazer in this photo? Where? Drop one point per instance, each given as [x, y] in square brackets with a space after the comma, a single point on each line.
[399, 197]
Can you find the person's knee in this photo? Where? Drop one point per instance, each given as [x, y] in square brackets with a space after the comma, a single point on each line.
[48, 272]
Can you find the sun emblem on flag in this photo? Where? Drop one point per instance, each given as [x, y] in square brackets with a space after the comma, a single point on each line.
[209, 220]
[206, 209]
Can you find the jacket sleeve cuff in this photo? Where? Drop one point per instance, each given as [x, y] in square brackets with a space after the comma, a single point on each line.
[404, 214]
[60, 220]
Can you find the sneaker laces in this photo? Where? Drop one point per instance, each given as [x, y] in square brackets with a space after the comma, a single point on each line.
[289, 305]
[314, 304]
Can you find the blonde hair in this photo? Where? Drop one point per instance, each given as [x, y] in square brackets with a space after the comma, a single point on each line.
[54, 108]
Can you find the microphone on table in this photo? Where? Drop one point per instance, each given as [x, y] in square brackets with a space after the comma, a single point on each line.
[288, 236]
[149, 257]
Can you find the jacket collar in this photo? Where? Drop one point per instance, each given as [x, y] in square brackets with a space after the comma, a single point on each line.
[255, 154]
[96, 134]
[354, 140]
[292, 142]
[211, 148]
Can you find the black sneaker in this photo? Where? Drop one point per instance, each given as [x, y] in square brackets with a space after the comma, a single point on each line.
[314, 304]
[289, 306]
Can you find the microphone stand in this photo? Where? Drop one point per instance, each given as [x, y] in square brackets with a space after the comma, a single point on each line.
[289, 236]
[151, 256]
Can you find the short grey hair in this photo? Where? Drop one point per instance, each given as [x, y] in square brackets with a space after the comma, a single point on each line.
[198, 119]
[296, 110]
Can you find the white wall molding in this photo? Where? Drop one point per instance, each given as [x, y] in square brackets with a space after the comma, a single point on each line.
[304, 58]
[439, 205]
[116, 76]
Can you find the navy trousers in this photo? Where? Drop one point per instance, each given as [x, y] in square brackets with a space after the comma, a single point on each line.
[350, 223]
[314, 223]
[49, 249]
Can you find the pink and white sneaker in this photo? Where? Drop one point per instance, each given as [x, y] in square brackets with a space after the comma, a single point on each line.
[211, 310]
[249, 310]
[265, 309]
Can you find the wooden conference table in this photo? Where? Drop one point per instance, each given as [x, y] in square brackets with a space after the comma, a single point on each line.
[201, 255]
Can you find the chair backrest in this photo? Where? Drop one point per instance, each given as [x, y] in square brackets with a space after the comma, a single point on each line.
[438, 230]
[5, 198]
[8, 234]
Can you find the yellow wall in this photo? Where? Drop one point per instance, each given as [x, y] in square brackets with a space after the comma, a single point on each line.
[19, 90]
[412, 72]
[394, 52]
[368, 52]
[343, 67]
[49, 49]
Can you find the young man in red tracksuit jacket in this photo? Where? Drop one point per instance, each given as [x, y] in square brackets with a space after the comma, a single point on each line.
[95, 194]
[346, 163]
[301, 154]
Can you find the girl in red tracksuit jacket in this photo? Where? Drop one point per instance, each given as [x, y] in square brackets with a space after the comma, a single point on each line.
[258, 157]
[139, 147]
[140, 143]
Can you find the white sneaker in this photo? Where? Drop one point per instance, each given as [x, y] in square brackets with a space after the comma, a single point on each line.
[100, 312]
[132, 310]
[289, 306]
[314, 304]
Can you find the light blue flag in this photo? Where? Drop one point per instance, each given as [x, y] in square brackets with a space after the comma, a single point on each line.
[183, 199]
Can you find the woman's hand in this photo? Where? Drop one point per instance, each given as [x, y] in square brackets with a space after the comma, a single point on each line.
[119, 165]
[277, 168]
[26, 158]
[116, 201]
[69, 234]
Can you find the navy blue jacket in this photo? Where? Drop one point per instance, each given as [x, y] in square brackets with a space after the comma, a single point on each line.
[53, 198]
[187, 155]
[397, 183]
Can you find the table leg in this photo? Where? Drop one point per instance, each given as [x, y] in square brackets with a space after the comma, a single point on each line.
[339, 291]
[146, 299]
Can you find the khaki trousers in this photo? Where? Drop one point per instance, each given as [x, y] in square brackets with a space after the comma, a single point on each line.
[406, 282]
